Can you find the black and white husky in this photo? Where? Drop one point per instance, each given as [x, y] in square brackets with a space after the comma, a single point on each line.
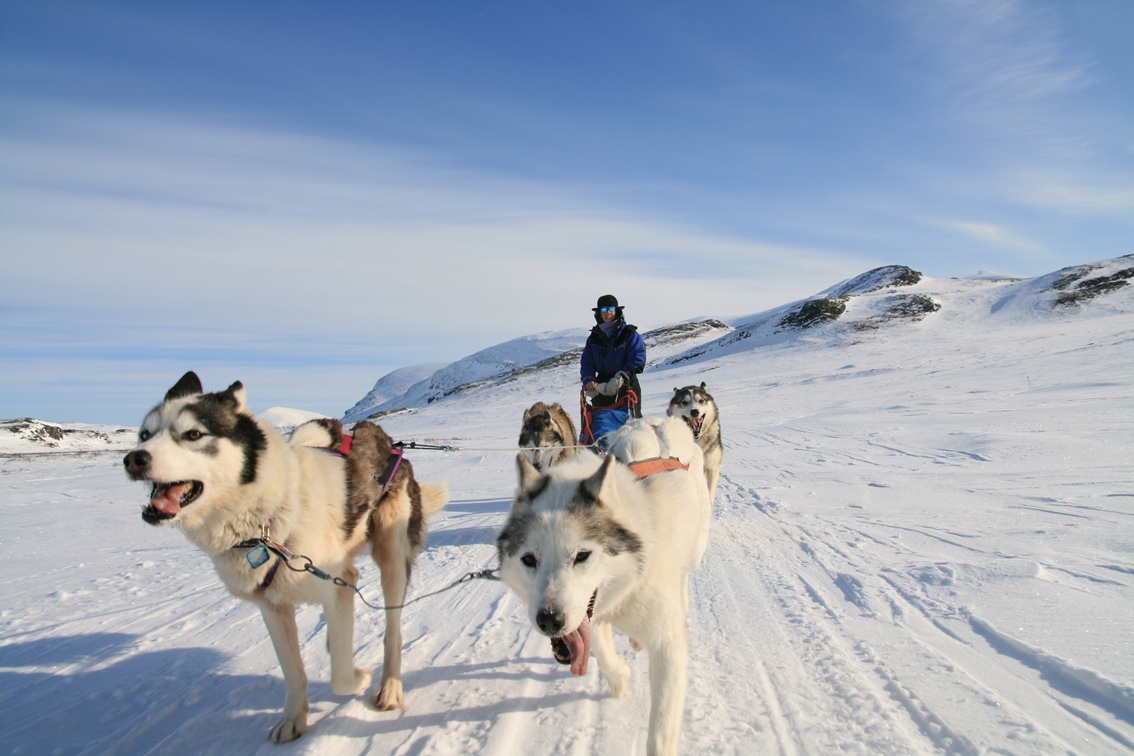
[547, 435]
[696, 407]
[590, 545]
[253, 501]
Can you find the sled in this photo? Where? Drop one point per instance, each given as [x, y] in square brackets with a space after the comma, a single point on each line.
[596, 422]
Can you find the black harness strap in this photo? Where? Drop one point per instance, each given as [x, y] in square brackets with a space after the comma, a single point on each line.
[393, 462]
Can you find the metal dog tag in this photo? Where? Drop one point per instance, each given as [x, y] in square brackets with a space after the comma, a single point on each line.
[257, 556]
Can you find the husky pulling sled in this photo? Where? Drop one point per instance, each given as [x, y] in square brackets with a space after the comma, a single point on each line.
[242, 494]
[696, 406]
[590, 546]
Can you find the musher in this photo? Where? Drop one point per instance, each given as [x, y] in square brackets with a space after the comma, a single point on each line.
[612, 358]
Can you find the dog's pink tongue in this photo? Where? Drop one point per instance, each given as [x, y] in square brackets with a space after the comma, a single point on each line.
[167, 499]
[579, 644]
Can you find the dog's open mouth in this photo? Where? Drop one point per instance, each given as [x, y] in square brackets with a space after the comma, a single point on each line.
[694, 424]
[168, 499]
[574, 648]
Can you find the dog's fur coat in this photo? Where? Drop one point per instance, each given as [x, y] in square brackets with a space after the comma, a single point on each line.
[547, 435]
[696, 407]
[589, 530]
[225, 477]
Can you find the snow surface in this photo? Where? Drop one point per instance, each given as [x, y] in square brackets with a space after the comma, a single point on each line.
[923, 543]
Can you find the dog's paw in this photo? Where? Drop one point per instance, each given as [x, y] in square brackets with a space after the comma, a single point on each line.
[288, 729]
[355, 686]
[390, 696]
[619, 679]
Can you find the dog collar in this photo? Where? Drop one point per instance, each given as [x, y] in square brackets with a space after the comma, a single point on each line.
[261, 550]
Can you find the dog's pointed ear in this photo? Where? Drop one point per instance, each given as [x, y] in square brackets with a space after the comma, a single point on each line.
[531, 479]
[702, 385]
[676, 389]
[593, 487]
[189, 385]
[527, 414]
[239, 396]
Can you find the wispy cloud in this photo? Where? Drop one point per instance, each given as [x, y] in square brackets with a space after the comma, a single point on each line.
[173, 211]
[993, 235]
[144, 238]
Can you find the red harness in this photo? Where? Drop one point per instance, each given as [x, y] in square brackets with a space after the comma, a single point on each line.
[344, 449]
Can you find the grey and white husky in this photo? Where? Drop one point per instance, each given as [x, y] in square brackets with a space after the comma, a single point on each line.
[696, 407]
[251, 500]
[547, 435]
[589, 545]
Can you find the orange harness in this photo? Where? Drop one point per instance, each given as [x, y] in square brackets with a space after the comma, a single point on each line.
[647, 467]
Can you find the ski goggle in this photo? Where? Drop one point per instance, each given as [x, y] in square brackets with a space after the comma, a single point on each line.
[607, 309]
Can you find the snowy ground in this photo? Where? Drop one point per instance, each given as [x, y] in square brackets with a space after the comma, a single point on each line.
[923, 543]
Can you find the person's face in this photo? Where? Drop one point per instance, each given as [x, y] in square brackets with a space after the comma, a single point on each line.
[608, 314]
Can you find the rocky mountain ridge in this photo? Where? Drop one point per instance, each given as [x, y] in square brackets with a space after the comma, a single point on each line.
[888, 296]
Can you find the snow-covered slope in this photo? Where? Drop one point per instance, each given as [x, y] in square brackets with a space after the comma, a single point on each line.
[921, 545]
[389, 389]
[510, 361]
[486, 363]
[30, 436]
[287, 419]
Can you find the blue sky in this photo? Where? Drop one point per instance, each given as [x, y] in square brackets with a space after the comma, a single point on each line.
[305, 196]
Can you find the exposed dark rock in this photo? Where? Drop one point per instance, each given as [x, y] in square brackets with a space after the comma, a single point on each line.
[814, 312]
[1076, 287]
[879, 278]
[681, 332]
[738, 335]
[64, 438]
[900, 307]
[34, 429]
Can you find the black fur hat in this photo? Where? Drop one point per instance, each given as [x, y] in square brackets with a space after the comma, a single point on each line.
[606, 300]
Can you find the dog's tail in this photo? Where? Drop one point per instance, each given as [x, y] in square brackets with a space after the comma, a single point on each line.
[324, 433]
[434, 496]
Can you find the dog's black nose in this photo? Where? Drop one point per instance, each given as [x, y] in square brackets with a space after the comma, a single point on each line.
[694, 413]
[137, 461]
[549, 622]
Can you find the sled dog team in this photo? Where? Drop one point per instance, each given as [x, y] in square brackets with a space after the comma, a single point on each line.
[590, 543]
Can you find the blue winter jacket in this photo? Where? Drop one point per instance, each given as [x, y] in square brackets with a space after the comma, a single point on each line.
[603, 357]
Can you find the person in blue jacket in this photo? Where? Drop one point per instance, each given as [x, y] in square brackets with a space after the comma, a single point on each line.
[612, 358]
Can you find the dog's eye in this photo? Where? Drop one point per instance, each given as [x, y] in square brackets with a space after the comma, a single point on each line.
[192, 435]
[143, 435]
[582, 556]
[530, 561]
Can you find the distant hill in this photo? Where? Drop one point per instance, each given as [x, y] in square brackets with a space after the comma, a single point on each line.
[864, 307]
[887, 297]
[25, 435]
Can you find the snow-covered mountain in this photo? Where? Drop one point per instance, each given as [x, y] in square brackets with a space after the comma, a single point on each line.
[921, 545]
[507, 362]
[28, 435]
[847, 311]
[844, 313]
